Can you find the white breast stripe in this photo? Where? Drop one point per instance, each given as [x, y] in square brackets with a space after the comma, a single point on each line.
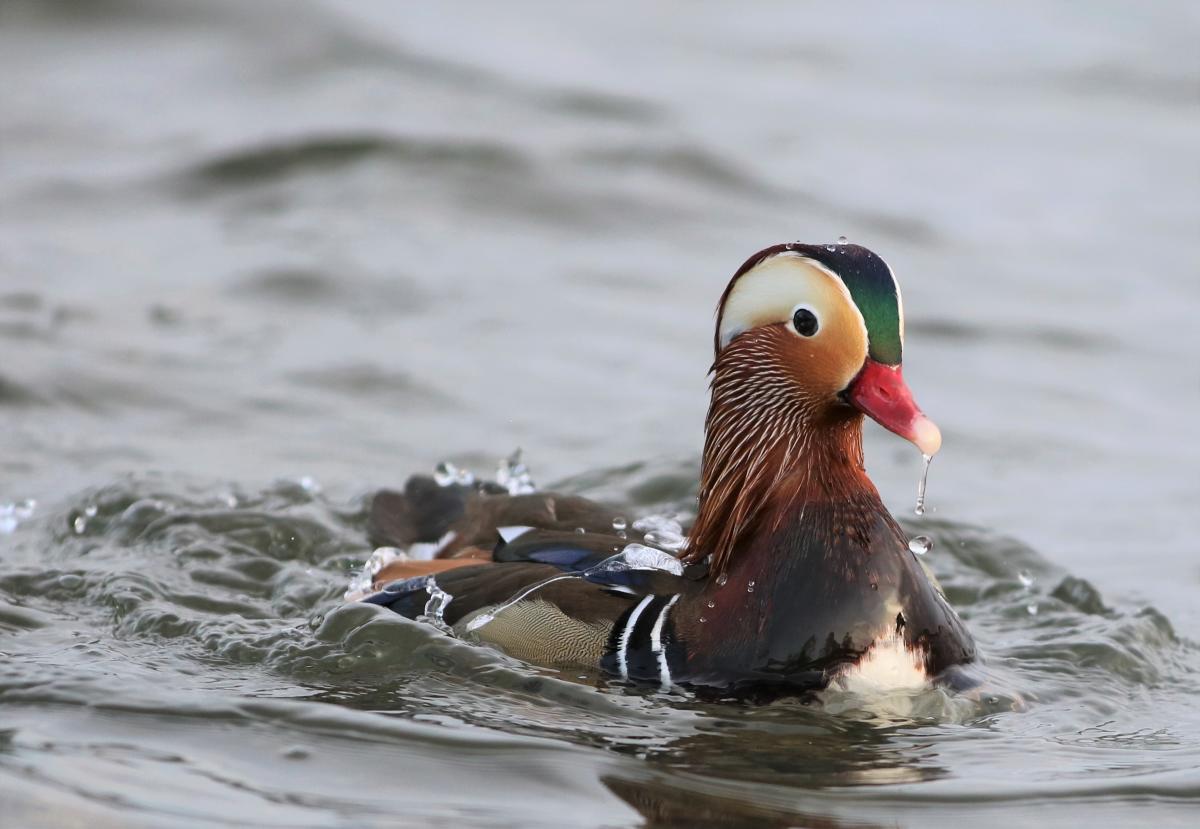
[512, 533]
[623, 642]
[664, 672]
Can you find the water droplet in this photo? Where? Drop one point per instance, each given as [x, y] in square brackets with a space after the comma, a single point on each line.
[580, 530]
[920, 544]
[920, 510]
[70, 581]
[295, 753]
[1032, 609]
[722, 579]
[831, 248]
[79, 525]
[711, 604]
[842, 240]
[619, 524]
[874, 586]
[703, 620]
[309, 485]
[1026, 579]
[749, 587]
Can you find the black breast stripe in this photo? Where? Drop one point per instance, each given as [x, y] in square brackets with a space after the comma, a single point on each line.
[631, 652]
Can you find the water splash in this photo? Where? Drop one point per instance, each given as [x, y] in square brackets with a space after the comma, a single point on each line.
[11, 515]
[920, 510]
[435, 607]
[638, 557]
[447, 474]
[362, 583]
[662, 531]
[920, 544]
[514, 475]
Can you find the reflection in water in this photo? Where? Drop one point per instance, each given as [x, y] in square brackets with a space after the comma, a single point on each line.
[664, 804]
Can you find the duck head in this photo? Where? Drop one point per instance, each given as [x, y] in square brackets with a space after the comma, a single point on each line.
[833, 319]
[809, 338]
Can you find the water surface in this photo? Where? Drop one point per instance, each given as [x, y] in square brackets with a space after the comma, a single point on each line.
[258, 260]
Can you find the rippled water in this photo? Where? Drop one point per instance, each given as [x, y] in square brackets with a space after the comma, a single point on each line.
[258, 260]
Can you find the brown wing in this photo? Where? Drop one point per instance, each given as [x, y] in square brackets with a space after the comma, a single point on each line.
[426, 512]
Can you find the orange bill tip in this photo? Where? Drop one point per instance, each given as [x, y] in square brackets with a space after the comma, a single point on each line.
[879, 392]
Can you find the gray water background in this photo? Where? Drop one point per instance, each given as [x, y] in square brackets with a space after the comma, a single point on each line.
[259, 259]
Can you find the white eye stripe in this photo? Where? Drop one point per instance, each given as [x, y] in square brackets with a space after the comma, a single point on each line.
[772, 290]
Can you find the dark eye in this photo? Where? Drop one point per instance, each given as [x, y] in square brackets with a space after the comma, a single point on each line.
[805, 322]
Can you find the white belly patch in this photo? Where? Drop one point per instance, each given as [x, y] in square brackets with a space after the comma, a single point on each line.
[888, 666]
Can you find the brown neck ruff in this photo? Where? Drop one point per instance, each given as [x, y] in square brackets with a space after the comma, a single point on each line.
[769, 450]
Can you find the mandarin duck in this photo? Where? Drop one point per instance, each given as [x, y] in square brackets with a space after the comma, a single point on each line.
[793, 575]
